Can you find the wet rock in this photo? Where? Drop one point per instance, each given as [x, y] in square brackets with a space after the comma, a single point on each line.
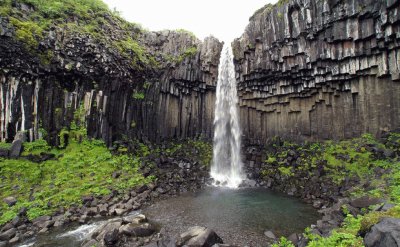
[142, 189]
[317, 204]
[3, 244]
[385, 233]
[135, 219]
[135, 230]
[165, 242]
[111, 238]
[7, 235]
[91, 243]
[120, 211]
[199, 236]
[10, 201]
[103, 209]
[14, 240]
[270, 234]
[110, 226]
[294, 238]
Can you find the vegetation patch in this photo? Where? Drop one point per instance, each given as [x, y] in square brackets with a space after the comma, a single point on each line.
[360, 159]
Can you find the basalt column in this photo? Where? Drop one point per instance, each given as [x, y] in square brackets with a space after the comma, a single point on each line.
[320, 69]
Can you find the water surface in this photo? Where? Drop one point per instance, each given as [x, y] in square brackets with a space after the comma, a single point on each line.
[239, 216]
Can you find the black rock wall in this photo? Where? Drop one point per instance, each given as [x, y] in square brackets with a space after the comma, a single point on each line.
[173, 99]
[326, 69]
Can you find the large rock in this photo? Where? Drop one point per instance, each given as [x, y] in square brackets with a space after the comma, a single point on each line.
[7, 235]
[135, 230]
[10, 201]
[198, 236]
[384, 234]
[111, 237]
[365, 201]
[16, 148]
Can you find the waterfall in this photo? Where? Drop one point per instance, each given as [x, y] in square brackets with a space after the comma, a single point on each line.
[226, 167]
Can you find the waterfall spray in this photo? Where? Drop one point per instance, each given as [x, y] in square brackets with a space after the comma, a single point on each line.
[226, 168]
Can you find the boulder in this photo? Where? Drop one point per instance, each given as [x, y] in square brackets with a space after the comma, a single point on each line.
[135, 230]
[111, 237]
[16, 148]
[384, 234]
[365, 201]
[7, 235]
[100, 232]
[134, 218]
[199, 236]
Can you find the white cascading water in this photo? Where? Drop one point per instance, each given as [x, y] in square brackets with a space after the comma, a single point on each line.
[226, 167]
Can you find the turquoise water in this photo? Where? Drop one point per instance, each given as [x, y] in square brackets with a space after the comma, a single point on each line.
[239, 216]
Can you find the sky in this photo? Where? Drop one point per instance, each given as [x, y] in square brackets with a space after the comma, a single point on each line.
[224, 19]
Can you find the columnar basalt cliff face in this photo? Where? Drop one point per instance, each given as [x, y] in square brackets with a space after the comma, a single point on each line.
[166, 93]
[325, 69]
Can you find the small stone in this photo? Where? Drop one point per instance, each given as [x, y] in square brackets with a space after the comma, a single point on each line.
[270, 234]
[14, 240]
[10, 201]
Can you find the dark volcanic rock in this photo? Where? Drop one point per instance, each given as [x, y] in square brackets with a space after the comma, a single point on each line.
[16, 149]
[319, 70]
[384, 234]
[7, 235]
[365, 201]
[111, 237]
[179, 92]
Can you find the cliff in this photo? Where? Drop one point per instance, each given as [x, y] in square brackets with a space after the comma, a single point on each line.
[127, 81]
[320, 69]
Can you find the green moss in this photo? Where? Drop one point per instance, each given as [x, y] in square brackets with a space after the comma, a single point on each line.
[265, 9]
[131, 49]
[138, 96]
[191, 34]
[354, 158]
[81, 169]
[5, 145]
[189, 52]
[286, 171]
[27, 32]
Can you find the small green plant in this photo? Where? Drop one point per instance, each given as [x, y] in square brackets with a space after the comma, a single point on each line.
[138, 95]
[286, 171]
[283, 242]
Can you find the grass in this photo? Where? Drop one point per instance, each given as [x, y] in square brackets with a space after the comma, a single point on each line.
[5, 145]
[80, 169]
